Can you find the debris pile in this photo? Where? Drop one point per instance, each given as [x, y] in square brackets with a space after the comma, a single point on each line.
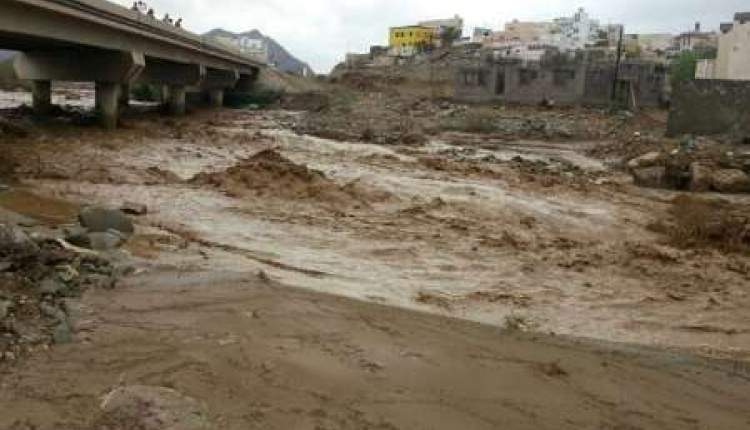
[709, 167]
[270, 174]
[38, 276]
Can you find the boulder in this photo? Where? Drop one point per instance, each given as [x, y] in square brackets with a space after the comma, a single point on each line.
[651, 177]
[62, 334]
[730, 181]
[53, 287]
[153, 408]
[132, 208]
[646, 160]
[700, 178]
[101, 220]
[105, 241]
[5, 307]
[15, 240]
[414, 139]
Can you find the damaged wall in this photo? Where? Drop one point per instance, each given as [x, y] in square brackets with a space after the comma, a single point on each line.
[571, 82]
[711, 107]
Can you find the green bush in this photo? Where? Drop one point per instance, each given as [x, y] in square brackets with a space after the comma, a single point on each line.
[144, 93]
[260, 98]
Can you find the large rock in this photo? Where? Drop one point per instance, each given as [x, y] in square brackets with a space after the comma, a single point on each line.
[731, 181]
[153, 408]
[700, 178]
[651, 177]
[15, 240]
[101, 220]
[646, 160]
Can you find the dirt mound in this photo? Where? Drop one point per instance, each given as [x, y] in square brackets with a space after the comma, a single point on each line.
[269, 174]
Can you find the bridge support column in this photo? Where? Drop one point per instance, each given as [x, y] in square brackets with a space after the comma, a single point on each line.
[124, 98]
[108, 103]
[41, 93]
[217, 98]
[177, 99]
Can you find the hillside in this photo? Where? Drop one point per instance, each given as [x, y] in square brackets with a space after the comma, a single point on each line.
[276, 54]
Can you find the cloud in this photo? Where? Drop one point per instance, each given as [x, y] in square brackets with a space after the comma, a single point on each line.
[321, 32]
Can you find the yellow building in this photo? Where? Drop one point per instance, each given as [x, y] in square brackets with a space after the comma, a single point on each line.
[409, 38]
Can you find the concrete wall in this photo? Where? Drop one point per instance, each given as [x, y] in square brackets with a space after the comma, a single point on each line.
[711, 107]
[564, 82]
[733, 58]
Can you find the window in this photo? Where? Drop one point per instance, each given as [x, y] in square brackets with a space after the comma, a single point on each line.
[562, 77]
[527, 76]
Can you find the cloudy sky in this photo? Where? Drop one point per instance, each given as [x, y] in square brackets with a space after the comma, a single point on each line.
[320, 32]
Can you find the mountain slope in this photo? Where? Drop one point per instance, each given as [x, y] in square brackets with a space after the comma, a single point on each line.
[276, 54]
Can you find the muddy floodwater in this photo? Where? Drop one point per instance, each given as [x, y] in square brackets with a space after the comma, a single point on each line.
[455, 229]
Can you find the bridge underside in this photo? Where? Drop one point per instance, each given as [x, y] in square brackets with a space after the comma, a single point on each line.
[60, 43]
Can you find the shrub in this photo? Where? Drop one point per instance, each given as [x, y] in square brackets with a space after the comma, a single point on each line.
[701, 223]
[475, 121]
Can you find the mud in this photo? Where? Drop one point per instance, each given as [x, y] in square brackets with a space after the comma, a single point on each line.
[518, 234]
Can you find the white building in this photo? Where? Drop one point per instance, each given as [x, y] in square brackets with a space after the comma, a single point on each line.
[578, 31]
[255, 48]
[733, 57]
[441, 26]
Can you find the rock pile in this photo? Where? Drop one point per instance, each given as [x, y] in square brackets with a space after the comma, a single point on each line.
[39, 276]
[684, 169]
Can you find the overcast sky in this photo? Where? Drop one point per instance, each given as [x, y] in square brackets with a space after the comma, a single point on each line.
[320, 32]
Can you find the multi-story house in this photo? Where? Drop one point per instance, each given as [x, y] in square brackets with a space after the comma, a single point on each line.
[733, 57]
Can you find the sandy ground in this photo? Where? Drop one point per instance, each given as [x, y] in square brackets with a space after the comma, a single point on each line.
[554, 242]
[262, 355]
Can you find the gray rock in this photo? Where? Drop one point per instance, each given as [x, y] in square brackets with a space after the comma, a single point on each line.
[100, 220]
[131, 208]
[53, 312]
[731, 181]
[105, 241]
[647, 160]
[15, 239]
[53, 287]
[651, 177]
[155, 408]
[700, 178]
[5, 306]
[62, 334]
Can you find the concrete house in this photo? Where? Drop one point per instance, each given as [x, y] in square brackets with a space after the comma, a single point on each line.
[561, 79]
[733, 57]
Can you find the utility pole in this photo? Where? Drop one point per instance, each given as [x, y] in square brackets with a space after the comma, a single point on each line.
[617, 65]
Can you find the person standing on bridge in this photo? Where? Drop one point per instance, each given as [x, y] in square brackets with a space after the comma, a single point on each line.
[167, 19]
[178, 24]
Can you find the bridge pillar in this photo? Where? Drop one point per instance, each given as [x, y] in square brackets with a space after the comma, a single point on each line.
[177, 99]
[216, 97]
[41, 93]
[108, 103]
[124, 98]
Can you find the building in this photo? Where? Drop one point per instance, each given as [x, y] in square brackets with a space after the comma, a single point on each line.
[696, 40]
[579, 31]
[253, 47]
[649, 46]
[527, 32]
[562, 80]
[410, 39]
[733, 55]
[573, 33]
[443, 26]
[480, 35]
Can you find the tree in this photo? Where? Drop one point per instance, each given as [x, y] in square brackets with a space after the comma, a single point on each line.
[685, 65]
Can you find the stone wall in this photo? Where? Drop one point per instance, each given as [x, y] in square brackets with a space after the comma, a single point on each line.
[711, 107]
[564, 82]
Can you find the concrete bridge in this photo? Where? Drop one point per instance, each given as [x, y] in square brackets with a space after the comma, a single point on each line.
[98, 41]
